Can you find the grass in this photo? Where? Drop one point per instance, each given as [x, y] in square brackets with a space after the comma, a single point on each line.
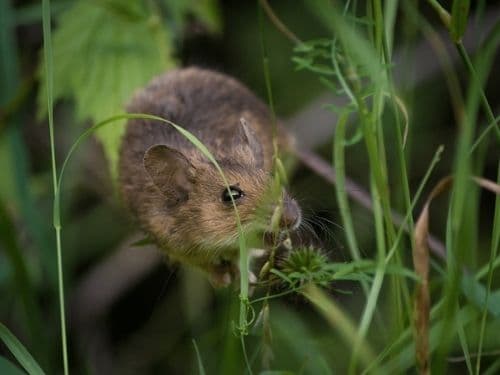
[415, 311]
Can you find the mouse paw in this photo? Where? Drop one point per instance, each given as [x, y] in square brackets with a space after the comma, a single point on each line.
[256, 254]
[222, 274]
[220, 280]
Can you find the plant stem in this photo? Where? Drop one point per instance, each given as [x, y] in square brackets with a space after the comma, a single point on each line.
[443, 13]
[57, 225]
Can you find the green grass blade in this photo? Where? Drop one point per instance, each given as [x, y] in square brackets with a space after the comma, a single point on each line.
[459, 16]
[465, 347]
[442, 13]
[485, 269]
[481, 137]
[423, 183]
[340, 190]
[19, 351]
[49, 72]
[244, 273]
[201, 368]
[29, 14]
[495, 242]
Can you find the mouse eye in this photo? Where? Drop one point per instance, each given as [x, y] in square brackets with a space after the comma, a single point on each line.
[233, 191]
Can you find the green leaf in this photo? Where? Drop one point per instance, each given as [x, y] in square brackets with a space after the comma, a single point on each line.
[476, 293]
[459, 15]
[8, 368]
[103, 52]
[19, 351]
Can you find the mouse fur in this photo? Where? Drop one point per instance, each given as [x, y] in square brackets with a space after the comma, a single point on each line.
[176, 194]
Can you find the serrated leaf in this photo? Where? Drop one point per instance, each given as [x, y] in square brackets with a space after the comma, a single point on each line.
[103, 51]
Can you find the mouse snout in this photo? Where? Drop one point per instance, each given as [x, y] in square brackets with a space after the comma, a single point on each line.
[291, 214]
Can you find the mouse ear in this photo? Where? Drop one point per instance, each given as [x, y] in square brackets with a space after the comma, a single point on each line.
[171, 172]
[247, 137]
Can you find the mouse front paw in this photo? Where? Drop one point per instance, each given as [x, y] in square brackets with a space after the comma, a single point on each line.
[222, 274]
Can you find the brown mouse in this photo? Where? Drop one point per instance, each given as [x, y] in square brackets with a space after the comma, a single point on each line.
[177, 195]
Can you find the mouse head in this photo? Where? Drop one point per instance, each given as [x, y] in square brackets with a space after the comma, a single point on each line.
[199, 202]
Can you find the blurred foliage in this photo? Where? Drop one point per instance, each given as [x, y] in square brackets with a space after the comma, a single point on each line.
[106, 49]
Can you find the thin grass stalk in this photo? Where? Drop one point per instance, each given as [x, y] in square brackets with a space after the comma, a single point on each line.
[340, 191]
[442, 13]
[244, 303]
[495, 242]
[485, 269]
[474, 76]
[484, 133]
[416, 197]
[201, 368]
[399, 287]
[475, 98]
[465, 347]
[403, 174]
[373, 135]
[458, 244]
[267, 79]
[371, 302]
[48, 59]
[456, 232]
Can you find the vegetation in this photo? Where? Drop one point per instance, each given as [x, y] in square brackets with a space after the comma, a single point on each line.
[413, 109]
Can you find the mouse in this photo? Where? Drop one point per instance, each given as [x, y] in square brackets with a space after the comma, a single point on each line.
[176, 195]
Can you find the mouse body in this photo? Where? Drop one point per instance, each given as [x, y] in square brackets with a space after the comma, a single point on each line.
[176, 194]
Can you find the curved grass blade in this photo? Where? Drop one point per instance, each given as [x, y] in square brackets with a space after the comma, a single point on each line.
[244, 275]
[49, 72]
[19, 351]
[201, 369]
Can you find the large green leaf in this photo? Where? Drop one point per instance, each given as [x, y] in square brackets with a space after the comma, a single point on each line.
[103, 51]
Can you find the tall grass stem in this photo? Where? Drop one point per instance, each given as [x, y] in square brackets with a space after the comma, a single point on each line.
[48, 59]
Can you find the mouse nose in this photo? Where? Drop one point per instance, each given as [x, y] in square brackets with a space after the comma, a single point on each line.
[291, 215]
